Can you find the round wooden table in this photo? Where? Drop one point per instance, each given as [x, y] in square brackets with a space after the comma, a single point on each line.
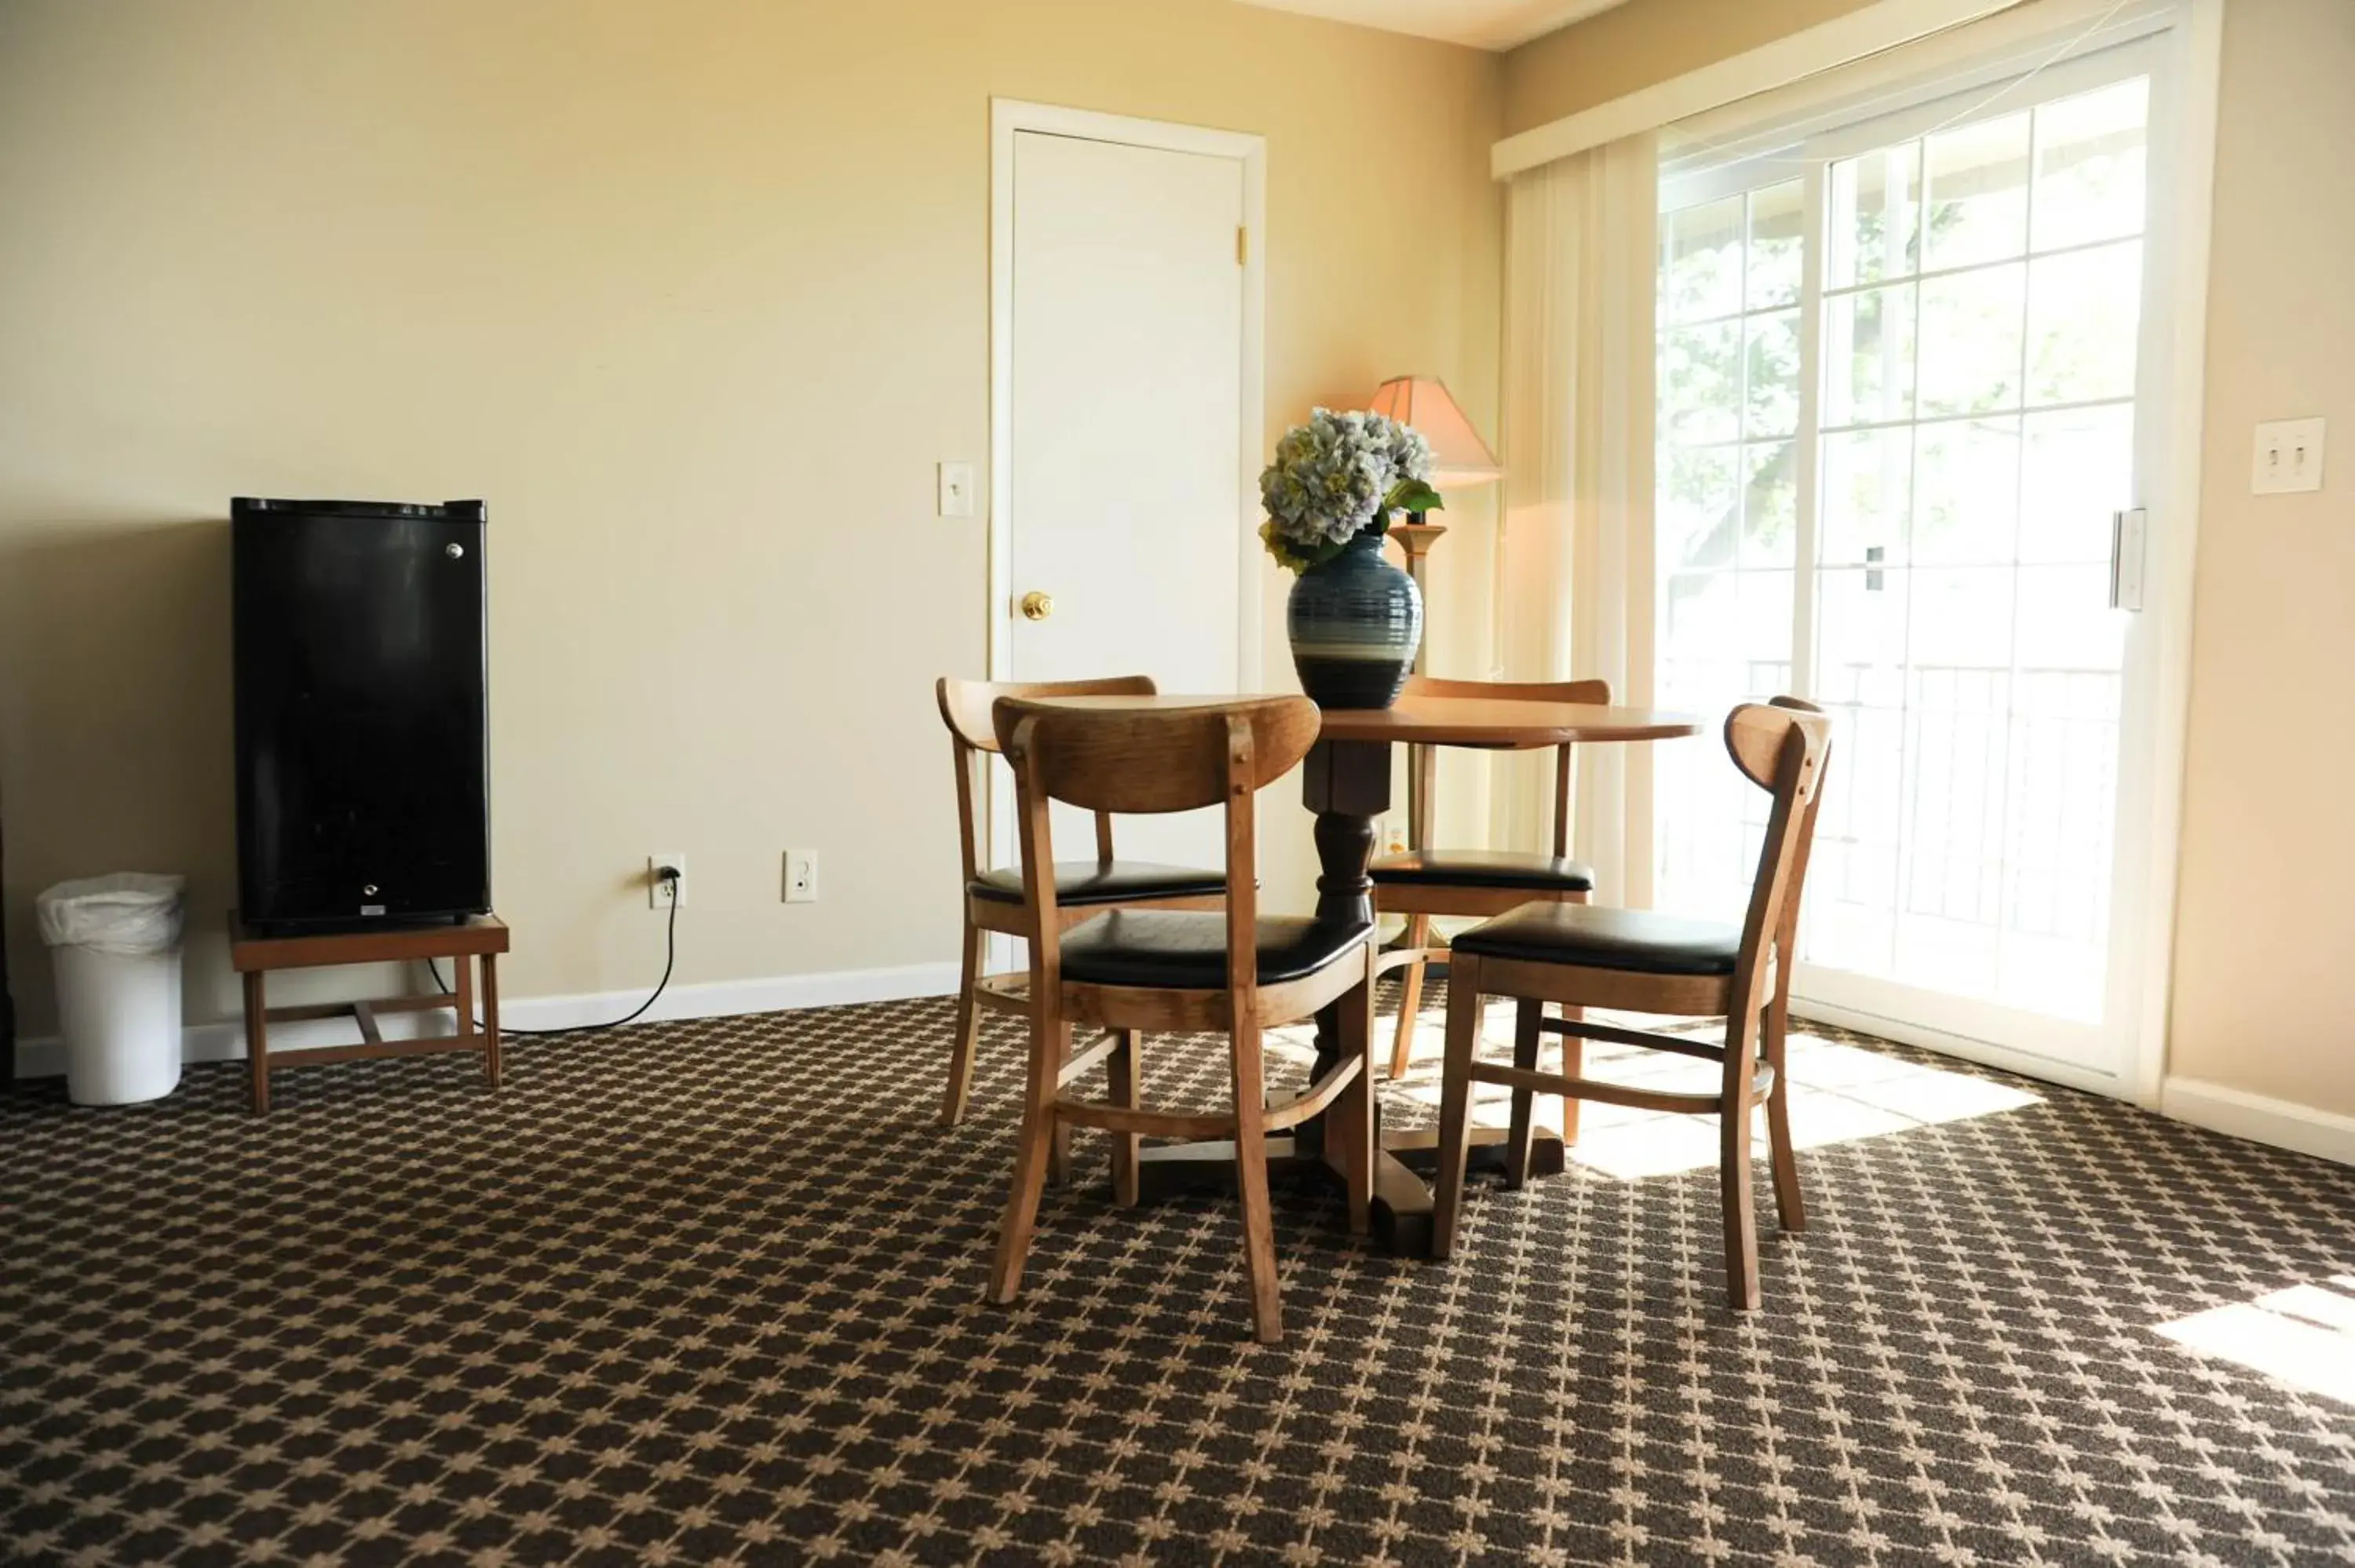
[1346, 782]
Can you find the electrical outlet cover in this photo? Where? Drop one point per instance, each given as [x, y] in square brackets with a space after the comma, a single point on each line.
[654, 863]
[801, 876]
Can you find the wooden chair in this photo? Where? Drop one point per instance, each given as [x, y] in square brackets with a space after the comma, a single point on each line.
[994, 900]
[1425, 882]
[1646, 962]
[1134, 970]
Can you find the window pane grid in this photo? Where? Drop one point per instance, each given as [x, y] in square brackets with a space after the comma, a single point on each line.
[1731, 374]
[1872, 427]
[1849, 290]
[1975, 294]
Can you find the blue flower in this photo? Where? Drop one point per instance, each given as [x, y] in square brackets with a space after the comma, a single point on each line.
[1331, 477]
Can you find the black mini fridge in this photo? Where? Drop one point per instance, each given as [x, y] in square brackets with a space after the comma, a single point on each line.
[362, 675]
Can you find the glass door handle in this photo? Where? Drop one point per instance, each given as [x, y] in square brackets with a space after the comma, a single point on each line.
[2127, 535]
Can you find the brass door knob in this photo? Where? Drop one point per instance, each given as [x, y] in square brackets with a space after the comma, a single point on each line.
[1037, 606]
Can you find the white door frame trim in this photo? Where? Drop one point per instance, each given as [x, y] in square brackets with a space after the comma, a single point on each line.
[2183, 213]
[1007, 116]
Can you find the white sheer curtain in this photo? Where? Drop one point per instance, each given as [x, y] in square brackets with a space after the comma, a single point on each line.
[1575, 572]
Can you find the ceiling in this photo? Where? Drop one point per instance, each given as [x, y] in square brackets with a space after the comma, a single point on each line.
[1483, 24]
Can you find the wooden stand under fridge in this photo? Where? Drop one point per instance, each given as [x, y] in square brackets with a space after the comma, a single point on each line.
[7, 999]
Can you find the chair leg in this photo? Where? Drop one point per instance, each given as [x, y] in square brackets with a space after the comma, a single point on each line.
[1354, 1111]
[1573, 1065]
[1456, 1097]
[1125, 1072]
[1527, 1015]
[1251, 1184]
[1059, 1147]
[1733, 1169]
[1059, 1156]
[1573, 1055]
[968, 1026]
[1050, 1043]
[1418, 936]
[1788, 1206]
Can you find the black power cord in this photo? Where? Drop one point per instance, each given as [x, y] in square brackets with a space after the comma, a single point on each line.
[669, 875]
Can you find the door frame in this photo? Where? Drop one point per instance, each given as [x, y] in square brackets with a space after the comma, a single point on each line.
[1007, 117]
[2187, 38]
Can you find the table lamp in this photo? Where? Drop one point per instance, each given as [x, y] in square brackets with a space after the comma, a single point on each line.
[1459, 460]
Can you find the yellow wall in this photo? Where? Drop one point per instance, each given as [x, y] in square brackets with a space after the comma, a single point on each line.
[2265, 962]
[695, 293]
[2265, 959]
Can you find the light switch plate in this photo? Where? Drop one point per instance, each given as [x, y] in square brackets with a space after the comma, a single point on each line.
[956, 489]
[2288, 457]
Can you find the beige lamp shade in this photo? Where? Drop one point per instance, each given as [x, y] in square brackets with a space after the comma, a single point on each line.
[1459, 457]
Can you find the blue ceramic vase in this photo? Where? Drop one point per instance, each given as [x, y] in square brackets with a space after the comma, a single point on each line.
[1354, 622]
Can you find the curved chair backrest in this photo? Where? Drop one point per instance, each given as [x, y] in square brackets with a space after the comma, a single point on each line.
[1781, 747]
[1786, 942]
[1594, 693]
[1150, 759]
[964, 709]
[1138, 759]
[966, 705]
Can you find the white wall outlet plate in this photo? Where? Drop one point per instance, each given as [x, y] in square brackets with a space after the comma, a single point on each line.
[956, 489]
[801, 876]
[2288, 457]
[658, 896]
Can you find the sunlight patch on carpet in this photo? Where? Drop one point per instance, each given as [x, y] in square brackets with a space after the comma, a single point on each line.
[2304, 1336]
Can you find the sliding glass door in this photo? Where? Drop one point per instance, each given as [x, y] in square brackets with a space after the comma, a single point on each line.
[1899, 384]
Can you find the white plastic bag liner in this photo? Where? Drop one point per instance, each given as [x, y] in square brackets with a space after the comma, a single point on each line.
[129, 913]
[115, 941]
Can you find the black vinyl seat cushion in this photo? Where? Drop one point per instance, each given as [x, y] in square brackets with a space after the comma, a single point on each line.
[1186, 950]
[1084, 882]
[1633, 939]
[1483, 868]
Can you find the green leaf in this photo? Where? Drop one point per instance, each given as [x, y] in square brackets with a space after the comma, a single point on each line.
[1295, 557]
[1413, 495]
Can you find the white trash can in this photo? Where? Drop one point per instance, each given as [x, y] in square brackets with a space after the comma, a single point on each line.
[115, 941]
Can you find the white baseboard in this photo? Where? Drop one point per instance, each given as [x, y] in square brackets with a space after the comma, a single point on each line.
[44, 1057]
[2260, 1119]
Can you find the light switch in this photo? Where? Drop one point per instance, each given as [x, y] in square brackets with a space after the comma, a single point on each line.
[2289, 457]
[956, 489]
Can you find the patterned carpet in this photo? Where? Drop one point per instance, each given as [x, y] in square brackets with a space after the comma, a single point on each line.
[708, 1292]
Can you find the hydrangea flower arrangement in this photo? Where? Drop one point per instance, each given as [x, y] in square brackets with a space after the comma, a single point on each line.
[1338, 477]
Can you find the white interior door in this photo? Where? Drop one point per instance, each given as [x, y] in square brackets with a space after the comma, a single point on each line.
[1124, 435]
[1903, 365]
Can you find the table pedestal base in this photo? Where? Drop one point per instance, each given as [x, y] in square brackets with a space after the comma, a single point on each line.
[1403, 1193]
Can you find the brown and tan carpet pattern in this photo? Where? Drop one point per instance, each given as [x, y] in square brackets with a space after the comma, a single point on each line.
[708, 1292]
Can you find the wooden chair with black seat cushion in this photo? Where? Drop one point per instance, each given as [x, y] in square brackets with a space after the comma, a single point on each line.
[1425, 882]
[1134, 970]
[1584, 955]
[994, 900]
